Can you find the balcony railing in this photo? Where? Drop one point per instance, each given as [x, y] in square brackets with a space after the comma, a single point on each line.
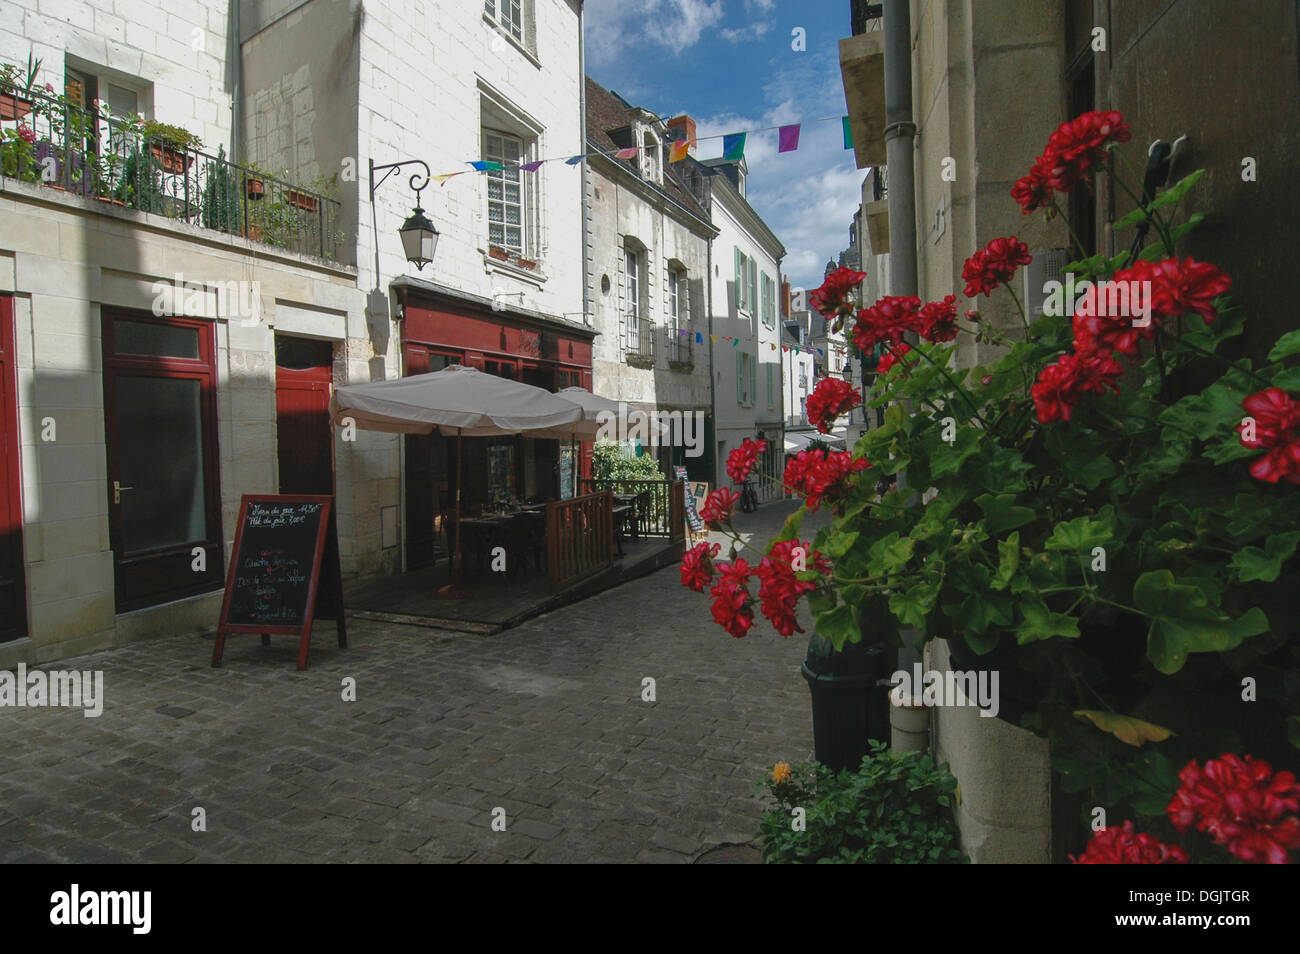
[681, 356]
[48, 141]
[639, 343]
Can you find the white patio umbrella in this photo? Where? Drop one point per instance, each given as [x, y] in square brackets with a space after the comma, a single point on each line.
[456, 399]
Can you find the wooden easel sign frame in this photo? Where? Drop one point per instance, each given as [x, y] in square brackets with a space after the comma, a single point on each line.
[259, 568]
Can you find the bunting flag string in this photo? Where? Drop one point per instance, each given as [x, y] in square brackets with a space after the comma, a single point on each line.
[733, 149]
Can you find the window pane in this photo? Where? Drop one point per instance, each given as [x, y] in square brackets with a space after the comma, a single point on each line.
[160, 447]
[146, 337]
[122, 102]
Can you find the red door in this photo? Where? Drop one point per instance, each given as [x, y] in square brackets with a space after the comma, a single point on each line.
[303, 374]
[13, 590]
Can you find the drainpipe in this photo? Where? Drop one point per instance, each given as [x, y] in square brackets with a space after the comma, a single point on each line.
[900, 132]
[582, 147]
[238, 66]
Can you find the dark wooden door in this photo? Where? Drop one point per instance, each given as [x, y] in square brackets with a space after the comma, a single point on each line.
[13, 589]
[160, 422]
[304, 440]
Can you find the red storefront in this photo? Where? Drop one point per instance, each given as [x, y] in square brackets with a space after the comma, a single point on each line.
[442, 327]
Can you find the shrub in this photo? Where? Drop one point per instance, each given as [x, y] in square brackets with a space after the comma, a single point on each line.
[895, 809]
[609, 461]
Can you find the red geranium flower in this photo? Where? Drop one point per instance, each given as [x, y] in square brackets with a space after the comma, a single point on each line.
[895, 354]
[1061, 383]
[831, 398]
[1182, 286]
[717, 507]
[886, 320]
[1033, 191]
[1242, 804]
[831, 298]
[1276, 425]
[1125, 846]
[994, 265]
[697, 566]
[819, 476]
[731, 598]
[1079, 143]
[937, 321]
[743, 458]
[779, 588]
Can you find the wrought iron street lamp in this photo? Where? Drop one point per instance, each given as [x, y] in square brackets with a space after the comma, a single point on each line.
[419, 237]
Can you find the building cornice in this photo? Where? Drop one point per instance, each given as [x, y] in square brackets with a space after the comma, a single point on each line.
[614, 170]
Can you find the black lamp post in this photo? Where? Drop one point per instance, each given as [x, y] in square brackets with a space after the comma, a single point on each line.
[419, 237]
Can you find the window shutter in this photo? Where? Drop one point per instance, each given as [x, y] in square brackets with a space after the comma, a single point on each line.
[753, 284]
[753, 382]
[740, 279]
[740, 386]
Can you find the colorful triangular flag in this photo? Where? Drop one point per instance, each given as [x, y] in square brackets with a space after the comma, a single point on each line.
[713, 338]
[734, 342]
[848, 134]
[733, 146]
[532, 166]
[441, 179]
[679, 150]
[484, 166]
[788, 138]
[699, 338]
[628, 153]
[574, 160]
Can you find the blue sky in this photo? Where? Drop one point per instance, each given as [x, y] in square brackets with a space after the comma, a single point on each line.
[729, 63]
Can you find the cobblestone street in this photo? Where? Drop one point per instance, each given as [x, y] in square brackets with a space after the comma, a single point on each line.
[545, 721]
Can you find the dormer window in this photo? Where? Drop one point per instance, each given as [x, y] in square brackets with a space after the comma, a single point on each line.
[650, 153]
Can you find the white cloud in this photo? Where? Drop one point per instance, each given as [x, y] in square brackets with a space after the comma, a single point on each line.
[614, 25]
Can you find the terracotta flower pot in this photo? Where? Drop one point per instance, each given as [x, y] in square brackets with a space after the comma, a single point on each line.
[498, 253]
[527, 263]
[256, 187]
[13, 107]
[173, 160]
[301, 200]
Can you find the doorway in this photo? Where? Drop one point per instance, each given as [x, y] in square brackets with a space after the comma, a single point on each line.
[304, 441]
[13, 585]
[160, 422]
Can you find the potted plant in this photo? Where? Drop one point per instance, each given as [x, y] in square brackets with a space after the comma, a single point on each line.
[1107, 510]
[170, 145]
[16, 89]
[498, 253]
[895, 808]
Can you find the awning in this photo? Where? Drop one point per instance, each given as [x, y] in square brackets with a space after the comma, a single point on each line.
[796, 441]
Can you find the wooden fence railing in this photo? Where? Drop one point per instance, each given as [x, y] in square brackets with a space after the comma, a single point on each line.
[579, 536]
[661, 504]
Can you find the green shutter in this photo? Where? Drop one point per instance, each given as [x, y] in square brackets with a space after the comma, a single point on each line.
[753, 381]
[769, 384]
[740, 386]
[753, 284]
[740, 280]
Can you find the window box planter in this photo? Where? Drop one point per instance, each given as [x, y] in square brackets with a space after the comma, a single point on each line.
[301, 200]
[498, 253]
[13, 107]
[527, 263]
[173, 160]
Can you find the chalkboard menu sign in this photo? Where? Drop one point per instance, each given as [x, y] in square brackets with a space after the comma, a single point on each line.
[284, 571]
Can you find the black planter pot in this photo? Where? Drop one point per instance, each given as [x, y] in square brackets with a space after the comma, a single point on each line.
[850, 707]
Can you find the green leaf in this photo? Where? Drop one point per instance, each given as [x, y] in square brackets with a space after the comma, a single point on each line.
[1286, 346]
[890, 554]
[1183, 620]
[1042, 623]
[948, 458]
[1083, 533]
[838, 543]
[1170, 196]
[1127, 729]
[1008, 561]
[839, 625]
[1252, 563]
[911, 606]
[1001, 512]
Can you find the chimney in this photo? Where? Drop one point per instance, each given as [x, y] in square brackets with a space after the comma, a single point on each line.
[682, 127]
[785, 298]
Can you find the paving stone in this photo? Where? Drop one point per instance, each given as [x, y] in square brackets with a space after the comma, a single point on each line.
[544, 720]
